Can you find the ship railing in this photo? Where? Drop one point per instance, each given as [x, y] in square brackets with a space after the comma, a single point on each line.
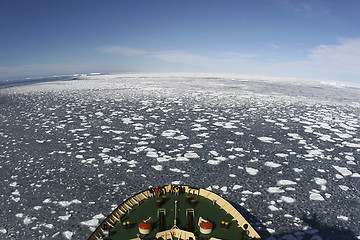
[121, 210]
[175, 233]
[222, 203]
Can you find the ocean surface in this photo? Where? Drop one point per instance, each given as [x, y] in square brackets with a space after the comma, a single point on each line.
[25, 81]
[285, 152]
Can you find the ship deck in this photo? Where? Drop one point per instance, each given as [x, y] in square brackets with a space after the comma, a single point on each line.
[123, 222]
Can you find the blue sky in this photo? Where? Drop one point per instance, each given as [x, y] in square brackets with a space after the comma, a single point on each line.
[292, 38]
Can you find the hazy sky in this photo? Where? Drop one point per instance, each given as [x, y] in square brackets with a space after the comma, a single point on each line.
[297, 38]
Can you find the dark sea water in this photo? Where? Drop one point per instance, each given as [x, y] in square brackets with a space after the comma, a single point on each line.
[286, 153]
[25, 81]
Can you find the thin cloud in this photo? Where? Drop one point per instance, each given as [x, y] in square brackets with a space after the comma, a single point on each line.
[300, 6]
[333, 62]
[172, 56]
[317, 7]
[180, 56]
[234, 57]
[273, 45]
[122, 50]
[337, 61]
[340, 59]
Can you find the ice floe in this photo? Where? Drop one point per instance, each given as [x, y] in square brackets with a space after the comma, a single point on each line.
[267, 139]
[343, 187]
[343, 170]
[275, 190]
[158, 167]
[251, 171]
[286, 182]
[316, 197]
[68, 234]
[272, 164]
[343, 218]
[287, 199]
